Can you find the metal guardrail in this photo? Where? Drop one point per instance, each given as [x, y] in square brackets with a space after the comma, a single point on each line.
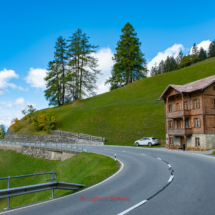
[16, 191]
[48, 145]
[78, 135]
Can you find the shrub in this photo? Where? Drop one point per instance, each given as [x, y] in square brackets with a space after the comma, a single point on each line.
[44, 121]
[194, 148]
[188, 60]
[15, 124]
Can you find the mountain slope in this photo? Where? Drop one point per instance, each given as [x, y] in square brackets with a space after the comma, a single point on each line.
[129, 113]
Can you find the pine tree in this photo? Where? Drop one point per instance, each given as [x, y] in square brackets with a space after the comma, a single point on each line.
[211, 50]
[130, 64]
[194, 49]
[82, 74]
[202, 54]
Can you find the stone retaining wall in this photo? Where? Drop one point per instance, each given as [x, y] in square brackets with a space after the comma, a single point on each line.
[41, 152]
[48, 139]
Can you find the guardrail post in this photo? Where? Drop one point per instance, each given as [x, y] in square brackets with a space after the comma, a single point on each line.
[8, 198]
[52, 177]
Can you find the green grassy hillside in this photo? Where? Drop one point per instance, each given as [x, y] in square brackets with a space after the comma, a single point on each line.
[83, 168]
[129, 113]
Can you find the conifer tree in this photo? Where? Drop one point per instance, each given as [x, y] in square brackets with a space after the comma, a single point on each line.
[202, 54]
[130, 64]
[56, 77]
[211, 50]
[53, 91]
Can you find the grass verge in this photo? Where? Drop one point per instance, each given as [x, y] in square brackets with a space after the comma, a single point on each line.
[83, 168]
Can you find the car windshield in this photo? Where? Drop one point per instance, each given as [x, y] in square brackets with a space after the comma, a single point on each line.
[153, 138]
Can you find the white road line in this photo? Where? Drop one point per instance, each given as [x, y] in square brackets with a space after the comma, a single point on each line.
[135, 206]
[170, 178]
[169, 166]
[159, 159]
[142, 154]
[29, 206]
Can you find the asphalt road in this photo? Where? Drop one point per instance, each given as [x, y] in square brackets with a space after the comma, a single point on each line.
[146, 180]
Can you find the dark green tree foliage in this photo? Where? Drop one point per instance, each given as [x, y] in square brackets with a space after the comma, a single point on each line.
[53, 91]
[211, 50]
[61, 61]
[2, 131]
[82, 74]
[188, 60]
[195, 50]
[202, 54]
[168, 65]
[130, 64]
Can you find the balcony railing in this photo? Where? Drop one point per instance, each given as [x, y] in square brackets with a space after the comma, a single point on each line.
[177, 114]
[180, 131]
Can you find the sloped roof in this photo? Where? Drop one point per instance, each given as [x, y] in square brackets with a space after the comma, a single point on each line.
[192, 86]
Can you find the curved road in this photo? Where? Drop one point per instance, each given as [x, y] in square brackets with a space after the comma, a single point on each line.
[146, 180]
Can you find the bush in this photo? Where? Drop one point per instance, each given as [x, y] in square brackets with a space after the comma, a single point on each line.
[194, 148]
[15, 124]
[44, 121]
[188, 60]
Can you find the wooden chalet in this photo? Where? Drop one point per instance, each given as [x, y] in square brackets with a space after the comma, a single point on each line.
[190, 113]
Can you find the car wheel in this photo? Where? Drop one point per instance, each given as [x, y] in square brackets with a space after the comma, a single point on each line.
[136, 144]
[149, 144]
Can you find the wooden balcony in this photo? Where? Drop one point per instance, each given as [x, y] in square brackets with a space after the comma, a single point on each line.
[180, 131]
[178, 114]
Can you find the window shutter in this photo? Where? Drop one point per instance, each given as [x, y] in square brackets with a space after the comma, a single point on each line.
[180, 106]
[199, 122]
[198, 103]
[192, 123]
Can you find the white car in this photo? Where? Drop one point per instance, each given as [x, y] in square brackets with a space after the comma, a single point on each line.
[146, 141]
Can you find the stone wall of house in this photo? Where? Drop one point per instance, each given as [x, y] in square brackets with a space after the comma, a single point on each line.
[48, 139]
[41, 152]
[207, 141]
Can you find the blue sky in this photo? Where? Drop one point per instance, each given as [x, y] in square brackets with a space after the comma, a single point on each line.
[29, 30]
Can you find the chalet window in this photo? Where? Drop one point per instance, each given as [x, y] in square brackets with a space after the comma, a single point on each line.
[196, 123]
[178, 106]
[170, 124]
[186, 105]
[195, 104]
[171, 141]
[179, 124]
[187, 123]
[197, 142]
[170, 108]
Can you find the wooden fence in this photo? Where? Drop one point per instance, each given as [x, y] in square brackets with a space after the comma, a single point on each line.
[78, 135]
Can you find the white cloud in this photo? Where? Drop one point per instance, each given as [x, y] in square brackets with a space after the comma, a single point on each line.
[5, 77]
[36, 78]
[105, 62]
[172, 51]
[20, 101]
[204, 44]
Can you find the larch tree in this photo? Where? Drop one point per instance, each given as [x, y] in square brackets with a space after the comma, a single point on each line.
[82, 65]
[130, 64]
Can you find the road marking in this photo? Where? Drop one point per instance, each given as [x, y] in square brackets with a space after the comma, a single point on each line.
[124, 151]
[135, 206]
[170, 178]
[142, 154]
[169, 166]
[159, 159]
